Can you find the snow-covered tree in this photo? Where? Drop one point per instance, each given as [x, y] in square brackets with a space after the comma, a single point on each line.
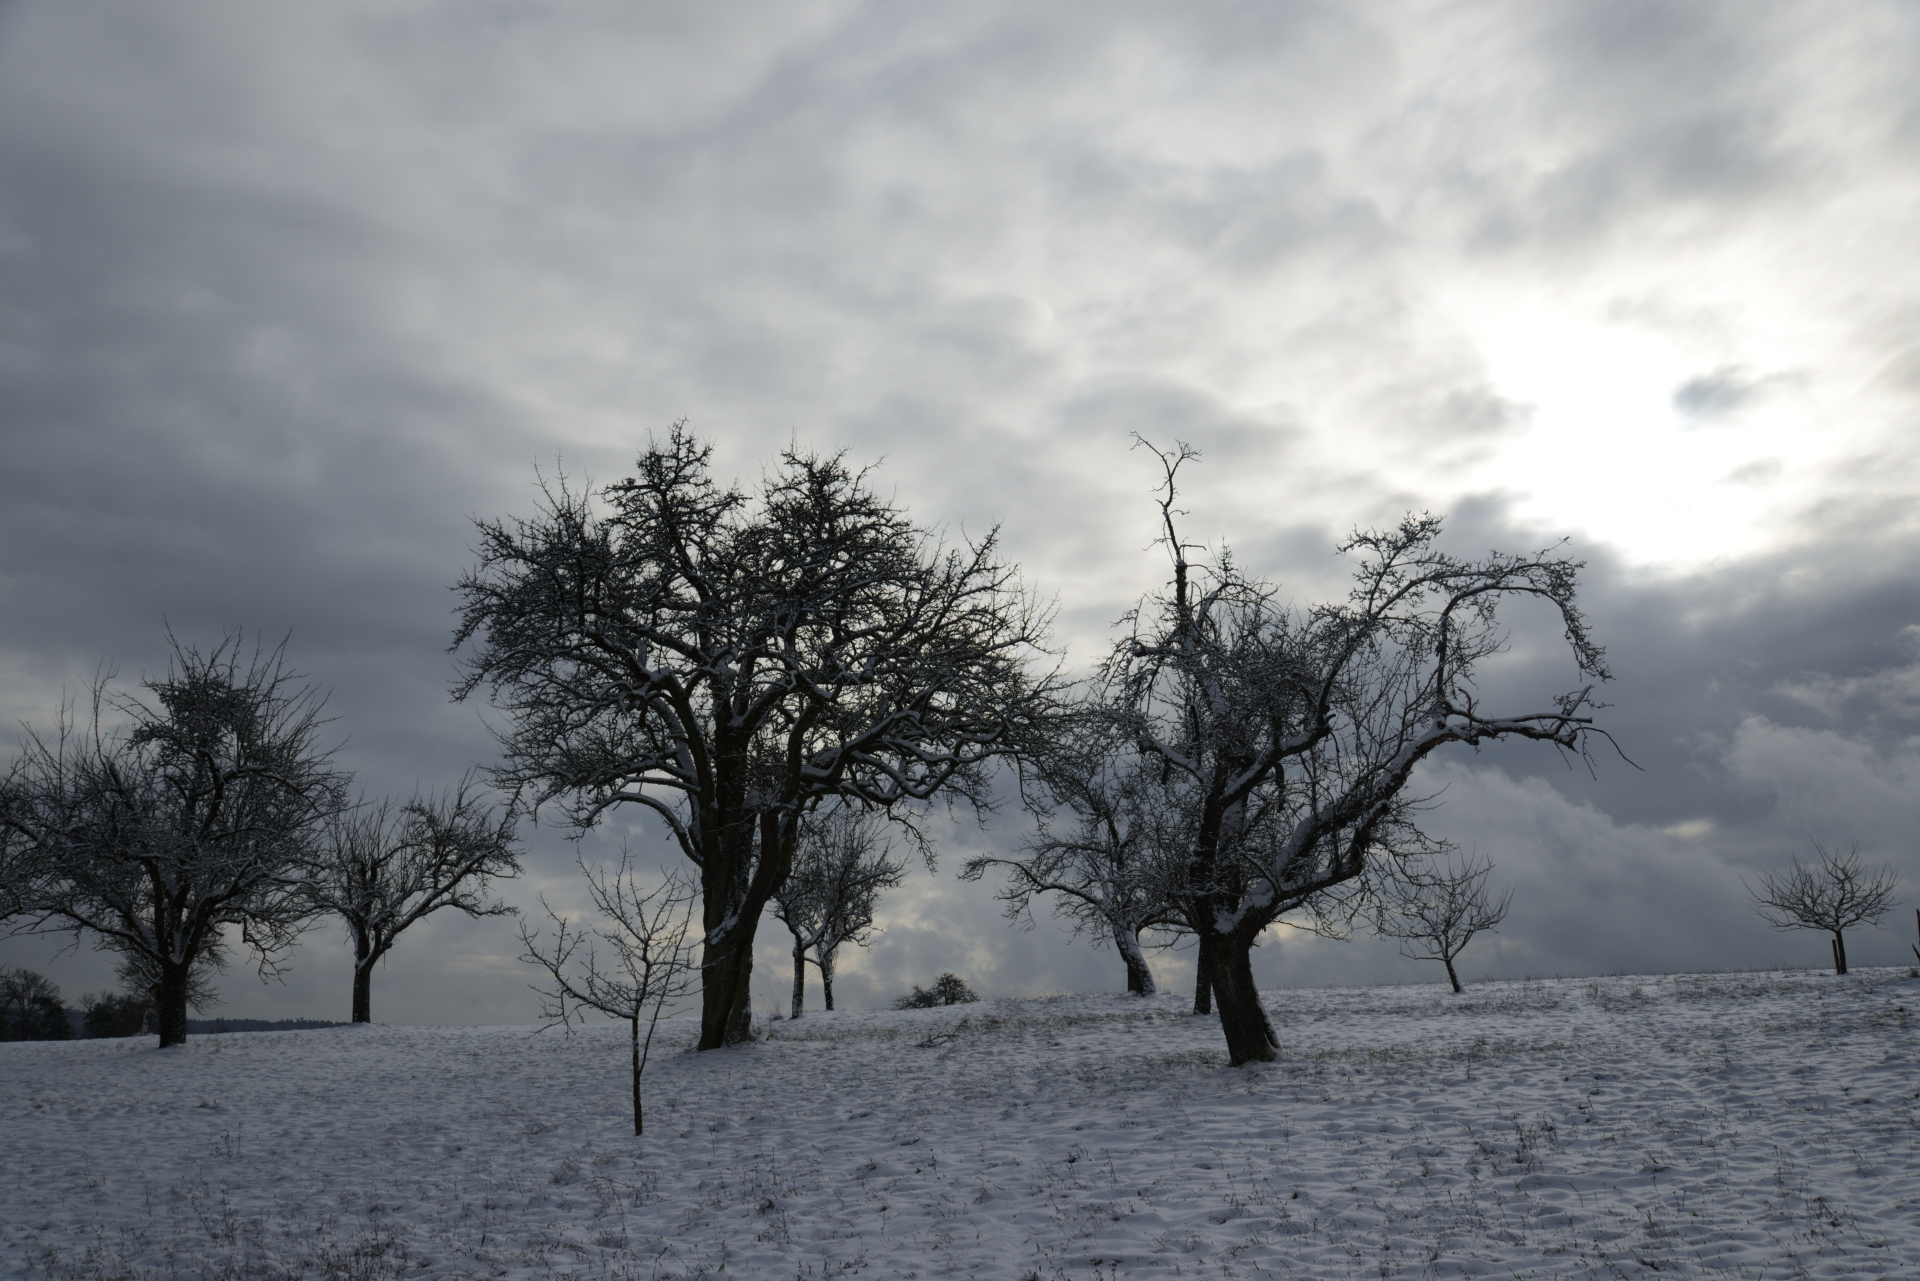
[202, 814]
[840, 866]
[1290, 735]
[384, 868]
[647, 962]
[1436, 911]
[729, 662]
[1100, 849]
[1835, 893]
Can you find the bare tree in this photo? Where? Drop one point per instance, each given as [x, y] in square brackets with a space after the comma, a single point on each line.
[1107, 865]
[384, 869]
[1287, 737]
[648, 962]
[1435, 913]
[1834, 894]
[729, 662]
[840, 866]
[203, 814]
[31, 1008]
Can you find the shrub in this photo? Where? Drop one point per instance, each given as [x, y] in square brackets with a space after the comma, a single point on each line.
[948, 989]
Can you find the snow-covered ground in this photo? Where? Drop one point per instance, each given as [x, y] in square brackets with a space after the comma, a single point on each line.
[1746, 1125]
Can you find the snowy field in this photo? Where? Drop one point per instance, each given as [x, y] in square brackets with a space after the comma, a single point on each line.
[1749, 1125]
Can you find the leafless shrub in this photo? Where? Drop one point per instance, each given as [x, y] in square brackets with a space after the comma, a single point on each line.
[1834, 893]
[1106, 867]
[384, 869]
[948, 989]
[1435, 913]
[840, 865]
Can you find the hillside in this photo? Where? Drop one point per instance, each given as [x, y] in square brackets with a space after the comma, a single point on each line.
[1746, 1125]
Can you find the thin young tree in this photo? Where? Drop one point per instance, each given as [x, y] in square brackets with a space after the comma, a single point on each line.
[730, 661]
[646, 964]
[1099, 848]
[1434, 912]
[202, 814]
[385, 868]
[1288, 737]
[840, 866]
[1834, 893]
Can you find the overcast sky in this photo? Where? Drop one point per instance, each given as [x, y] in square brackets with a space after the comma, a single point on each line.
[291, 294]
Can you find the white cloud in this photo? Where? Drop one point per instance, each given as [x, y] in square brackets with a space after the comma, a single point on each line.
[1818, 784]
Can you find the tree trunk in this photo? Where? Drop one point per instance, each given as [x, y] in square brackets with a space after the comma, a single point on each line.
[170, 1004]
[1203, 977]
[1250, 1037]
[726, 982]
[726, 967]
[1139, 975]
[363, 959]
[799, 975]
[634, 1024]
[826, 978]
[1839, 953]
[1451, 975]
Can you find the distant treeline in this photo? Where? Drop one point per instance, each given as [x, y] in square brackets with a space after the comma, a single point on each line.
[200, 1027]
[31, 1010]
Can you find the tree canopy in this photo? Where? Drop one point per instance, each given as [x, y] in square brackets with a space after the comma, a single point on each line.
[727, 661]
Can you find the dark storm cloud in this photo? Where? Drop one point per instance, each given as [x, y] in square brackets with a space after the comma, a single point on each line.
[287, 297]
[1767, 704]
[1694, 655]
